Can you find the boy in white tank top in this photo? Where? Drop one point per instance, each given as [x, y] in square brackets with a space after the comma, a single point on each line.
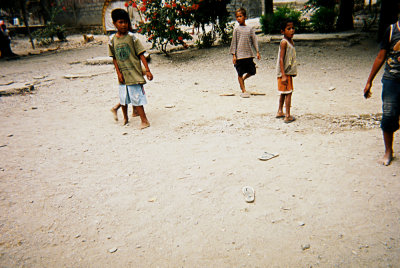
[286, 68]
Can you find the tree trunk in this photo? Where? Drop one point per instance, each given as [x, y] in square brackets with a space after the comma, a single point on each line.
[388, 15]
[44, 5]
[25, 14]
[269, 7]
[345, 19]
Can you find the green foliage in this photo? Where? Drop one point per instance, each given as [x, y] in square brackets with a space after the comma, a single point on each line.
[271, 23]
[225, 33]
[312, 4]
[164, 20]
[206, 40]
[323, 20]
[46, 35]
[323, 15]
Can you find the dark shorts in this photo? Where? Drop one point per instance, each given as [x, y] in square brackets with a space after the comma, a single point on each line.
[390, 105]
[245, 66]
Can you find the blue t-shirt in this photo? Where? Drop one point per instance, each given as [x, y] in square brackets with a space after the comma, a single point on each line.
[391, 43]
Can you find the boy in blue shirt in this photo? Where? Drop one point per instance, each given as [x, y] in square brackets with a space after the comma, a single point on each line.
[127, 53]
[390, 52]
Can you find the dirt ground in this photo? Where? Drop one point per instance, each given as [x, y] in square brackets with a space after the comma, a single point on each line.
[80, 190]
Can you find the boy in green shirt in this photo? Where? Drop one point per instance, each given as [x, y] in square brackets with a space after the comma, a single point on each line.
[127, 53]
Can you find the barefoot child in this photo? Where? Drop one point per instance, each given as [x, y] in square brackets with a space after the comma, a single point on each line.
[127, 52]
[286, 69]
[390, 51]
[244, 39]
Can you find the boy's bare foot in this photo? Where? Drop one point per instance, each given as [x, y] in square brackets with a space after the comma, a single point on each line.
[126, 121]
[386, 159]
[280, 115]
[115, 114]
[289, 119]
[245, 94]
[144, 125]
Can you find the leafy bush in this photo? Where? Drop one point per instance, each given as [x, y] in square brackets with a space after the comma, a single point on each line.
[226, 33]
[206, 40]
[323, 19]
[271, 23]
[46, 35]
[323, 14]
[164, 20]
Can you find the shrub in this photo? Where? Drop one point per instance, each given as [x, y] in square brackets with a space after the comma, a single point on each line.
[225, 33]
[323, 20]
[271, 23]
[164, 20]
[46, 35]
[323, 15]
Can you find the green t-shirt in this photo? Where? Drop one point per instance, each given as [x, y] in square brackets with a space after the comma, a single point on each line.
[126, 50]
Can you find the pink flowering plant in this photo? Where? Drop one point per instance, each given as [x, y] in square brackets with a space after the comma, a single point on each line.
[163, 21]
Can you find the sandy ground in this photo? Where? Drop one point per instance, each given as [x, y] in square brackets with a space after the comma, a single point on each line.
[76, 185]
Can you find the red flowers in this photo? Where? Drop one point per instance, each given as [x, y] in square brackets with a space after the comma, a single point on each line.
[172, 27]
[143, 8]
[126, 4]
[180, 38]
[64, 8]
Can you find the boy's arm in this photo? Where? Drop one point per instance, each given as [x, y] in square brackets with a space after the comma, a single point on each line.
[255, 43]
[149, 75]
[120, 75]
[282, 54]
[233, 46]
[379, 60]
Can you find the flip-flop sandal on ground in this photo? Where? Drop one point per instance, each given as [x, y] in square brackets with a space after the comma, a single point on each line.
[245, 95]
[227, 94]
[267, 156]
[248, 193]
[280, 116]
[289, 120]
[257, 93]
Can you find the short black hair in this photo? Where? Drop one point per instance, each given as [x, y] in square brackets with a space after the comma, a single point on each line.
[119, 14]
[285, 22]
[241, 10]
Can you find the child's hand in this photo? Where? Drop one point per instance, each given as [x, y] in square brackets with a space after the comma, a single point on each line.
[121, 78]
[258, 55]
[367, 91]
[234, 60]
[149, 75]
[284, 80]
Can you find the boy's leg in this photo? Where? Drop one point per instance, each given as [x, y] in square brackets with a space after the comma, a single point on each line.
[288, 103]
[388, 156]
[241, 83]
[134, 112]
[114, 110]
[125, 113]
[280, 107]
[247, 76]
[145, 123]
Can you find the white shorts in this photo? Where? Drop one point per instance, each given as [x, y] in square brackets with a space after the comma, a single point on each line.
[132, 94]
